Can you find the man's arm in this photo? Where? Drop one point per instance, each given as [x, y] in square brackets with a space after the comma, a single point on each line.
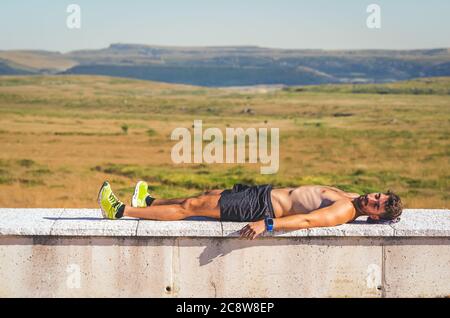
[338, 213]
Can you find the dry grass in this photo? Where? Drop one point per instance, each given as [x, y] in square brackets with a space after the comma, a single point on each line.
[61, 137]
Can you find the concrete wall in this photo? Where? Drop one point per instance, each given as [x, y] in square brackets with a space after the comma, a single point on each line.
[75, 253]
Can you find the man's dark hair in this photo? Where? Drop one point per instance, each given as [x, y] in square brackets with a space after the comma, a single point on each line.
[393, 207]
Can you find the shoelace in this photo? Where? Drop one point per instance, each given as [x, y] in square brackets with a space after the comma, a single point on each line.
[114, 201]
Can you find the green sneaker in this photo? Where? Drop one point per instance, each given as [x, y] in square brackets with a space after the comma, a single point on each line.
[109, 203]
[141, 197]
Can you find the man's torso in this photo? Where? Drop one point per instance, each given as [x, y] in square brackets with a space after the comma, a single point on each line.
[305, 199]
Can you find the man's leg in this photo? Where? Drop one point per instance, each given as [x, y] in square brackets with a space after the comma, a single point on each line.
[181, 200]
[178, 209]
[167, 201]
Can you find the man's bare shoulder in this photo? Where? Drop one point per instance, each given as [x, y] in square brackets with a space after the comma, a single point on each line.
[345, 208]
[343, 204]
[342, 211]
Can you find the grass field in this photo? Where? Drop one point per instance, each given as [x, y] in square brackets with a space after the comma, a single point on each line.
[62, 136]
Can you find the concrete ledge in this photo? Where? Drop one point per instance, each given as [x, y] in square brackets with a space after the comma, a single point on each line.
[89, 222]
[77, 253]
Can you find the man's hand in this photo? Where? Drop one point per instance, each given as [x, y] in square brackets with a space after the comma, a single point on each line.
[252, 230]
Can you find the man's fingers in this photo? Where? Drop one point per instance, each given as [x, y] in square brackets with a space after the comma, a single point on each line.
[248, 232]
[241, 231]
[244, 231]
[246, 228]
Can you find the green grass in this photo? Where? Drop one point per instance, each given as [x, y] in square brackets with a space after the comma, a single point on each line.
[151, 132]
[5, 177]
[25, 162]
[201, 178]
[24, 171]
[425, 86]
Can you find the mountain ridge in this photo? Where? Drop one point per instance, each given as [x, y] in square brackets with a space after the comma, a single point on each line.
[234, 65]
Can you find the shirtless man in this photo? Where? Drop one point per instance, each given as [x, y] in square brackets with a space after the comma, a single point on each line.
[265, 208]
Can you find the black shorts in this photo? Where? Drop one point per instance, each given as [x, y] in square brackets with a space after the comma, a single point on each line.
[246, 203]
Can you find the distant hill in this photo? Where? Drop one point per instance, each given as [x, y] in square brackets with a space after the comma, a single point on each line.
[235, 66]
[8, 68]
[42, 62]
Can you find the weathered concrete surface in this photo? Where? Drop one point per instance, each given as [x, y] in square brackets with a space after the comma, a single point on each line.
[90, 222]
[186, 267]
[417, 267]
[28, 221]
[424, 223]
[85, 267]
[74, 253]
[294, 267]
[180, 228]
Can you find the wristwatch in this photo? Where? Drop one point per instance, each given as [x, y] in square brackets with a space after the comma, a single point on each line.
[269, 224]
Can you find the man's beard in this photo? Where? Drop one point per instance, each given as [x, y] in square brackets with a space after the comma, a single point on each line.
[357, 203]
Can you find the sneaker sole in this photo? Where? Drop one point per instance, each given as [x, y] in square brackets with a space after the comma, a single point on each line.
[99, 199]
[134, 200]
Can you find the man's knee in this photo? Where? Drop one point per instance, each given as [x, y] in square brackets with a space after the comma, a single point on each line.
[189, 205]
[213, 192]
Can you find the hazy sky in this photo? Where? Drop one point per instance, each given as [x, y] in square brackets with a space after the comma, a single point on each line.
[327, 24]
